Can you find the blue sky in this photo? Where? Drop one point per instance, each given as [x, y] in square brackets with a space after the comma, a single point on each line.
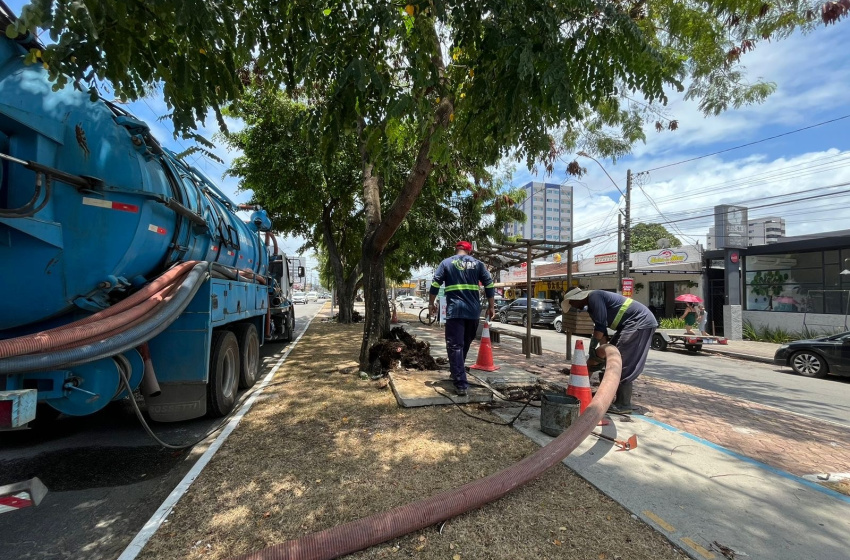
[813, 81]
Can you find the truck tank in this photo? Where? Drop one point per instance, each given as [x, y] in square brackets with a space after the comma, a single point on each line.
[136, 210]
[95, 214]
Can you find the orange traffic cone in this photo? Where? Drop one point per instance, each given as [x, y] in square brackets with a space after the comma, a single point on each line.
[579, 386]
[485, 351]
[394, 319]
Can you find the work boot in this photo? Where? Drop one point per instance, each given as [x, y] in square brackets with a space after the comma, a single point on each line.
[623, 402]
[460, 392]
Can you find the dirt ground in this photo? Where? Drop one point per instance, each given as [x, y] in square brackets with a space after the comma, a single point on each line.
[322, 447]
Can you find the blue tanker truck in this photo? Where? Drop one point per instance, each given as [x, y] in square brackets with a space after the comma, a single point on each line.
[123, 267]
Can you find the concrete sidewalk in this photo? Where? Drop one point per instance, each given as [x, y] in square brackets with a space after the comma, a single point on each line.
[697, 493]
[741, 349]
[745, 350]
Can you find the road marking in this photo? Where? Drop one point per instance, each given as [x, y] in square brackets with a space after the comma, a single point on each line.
[660, 522]
[702, 551]
[161, 514]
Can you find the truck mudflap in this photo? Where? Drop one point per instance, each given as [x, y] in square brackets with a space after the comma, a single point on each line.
[21, 495]
[17, 408]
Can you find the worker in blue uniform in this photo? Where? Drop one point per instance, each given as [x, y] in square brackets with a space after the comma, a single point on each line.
[634, 325]
[461, 274]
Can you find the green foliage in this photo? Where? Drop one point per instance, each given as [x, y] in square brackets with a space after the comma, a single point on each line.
[765, 333]
[671, 323]
[645, 237]
[505, 82]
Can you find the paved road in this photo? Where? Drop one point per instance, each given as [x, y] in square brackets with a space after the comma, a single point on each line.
[827, 399]
[106, 477]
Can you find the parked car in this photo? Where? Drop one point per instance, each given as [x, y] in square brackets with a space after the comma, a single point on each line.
[312, 296]
[543, 312]
[817, 357]
[299, 297]
[413, 301]
[499, 303]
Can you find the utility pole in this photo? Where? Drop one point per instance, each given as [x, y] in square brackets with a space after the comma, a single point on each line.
[627, 232]
[619, 252]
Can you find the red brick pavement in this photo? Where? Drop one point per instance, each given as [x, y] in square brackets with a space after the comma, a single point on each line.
[787, 441]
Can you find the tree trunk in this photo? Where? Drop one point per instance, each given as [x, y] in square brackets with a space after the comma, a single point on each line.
[345, 291]
[377, 320]
[344, 286]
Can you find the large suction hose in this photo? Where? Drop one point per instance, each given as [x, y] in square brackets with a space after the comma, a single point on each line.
[142, 331]
[375, 529]
[56, 337]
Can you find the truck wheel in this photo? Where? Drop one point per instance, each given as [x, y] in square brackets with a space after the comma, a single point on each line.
[224, 374]
[289, 325]
[249, 354]
[658, 342]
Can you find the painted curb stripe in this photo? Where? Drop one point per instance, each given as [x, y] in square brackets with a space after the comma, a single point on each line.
[160, 515]
[702, 551]
[808, 483]
[661, 523]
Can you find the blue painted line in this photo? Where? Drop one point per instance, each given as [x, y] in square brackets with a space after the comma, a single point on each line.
[784, 474]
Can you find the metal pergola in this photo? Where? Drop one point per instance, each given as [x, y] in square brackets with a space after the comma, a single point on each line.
[514, 253]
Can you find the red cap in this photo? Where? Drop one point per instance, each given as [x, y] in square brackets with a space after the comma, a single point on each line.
[464, 245]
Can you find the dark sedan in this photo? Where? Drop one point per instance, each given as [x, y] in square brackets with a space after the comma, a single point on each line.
[543, 312]
[817, 357]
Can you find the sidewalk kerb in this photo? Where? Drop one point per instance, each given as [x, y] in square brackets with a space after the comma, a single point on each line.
[161, 514]
[739, 355]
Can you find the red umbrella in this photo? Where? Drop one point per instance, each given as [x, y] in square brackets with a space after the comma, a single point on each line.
[690, 298]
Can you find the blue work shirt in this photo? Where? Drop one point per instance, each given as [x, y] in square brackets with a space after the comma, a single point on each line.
[461, 274]
[603, 308]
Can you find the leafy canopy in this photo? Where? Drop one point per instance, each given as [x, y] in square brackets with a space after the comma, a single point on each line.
[644, 237]
[505, 73]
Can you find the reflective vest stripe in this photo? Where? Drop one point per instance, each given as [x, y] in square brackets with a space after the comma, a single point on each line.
[462, 287]
[621, 312]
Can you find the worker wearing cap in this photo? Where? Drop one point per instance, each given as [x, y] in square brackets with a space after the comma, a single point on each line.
[634, 325]
[461, 275]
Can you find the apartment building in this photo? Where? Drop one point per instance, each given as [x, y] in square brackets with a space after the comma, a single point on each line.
[548, 209]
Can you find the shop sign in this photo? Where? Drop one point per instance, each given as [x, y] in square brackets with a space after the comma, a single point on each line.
[667, 256]
[605, 258]
[628, 286]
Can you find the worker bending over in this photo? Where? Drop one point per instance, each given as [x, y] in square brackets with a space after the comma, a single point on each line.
[634, 325]
[461, 274]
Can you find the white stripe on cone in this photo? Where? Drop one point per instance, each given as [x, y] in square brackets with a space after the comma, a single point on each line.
[579, 381]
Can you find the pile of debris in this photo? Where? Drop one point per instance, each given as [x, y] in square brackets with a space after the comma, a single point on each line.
[525, 392]
[400, 351]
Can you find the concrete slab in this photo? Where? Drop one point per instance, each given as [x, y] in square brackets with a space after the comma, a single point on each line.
[698, 493]
[420, 388]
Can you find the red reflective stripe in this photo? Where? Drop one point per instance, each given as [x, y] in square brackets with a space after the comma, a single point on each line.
[111, 204]
[15, 502]
[156, 229]
[125, 207]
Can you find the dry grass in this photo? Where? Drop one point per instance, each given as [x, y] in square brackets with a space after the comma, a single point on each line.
[324, 448]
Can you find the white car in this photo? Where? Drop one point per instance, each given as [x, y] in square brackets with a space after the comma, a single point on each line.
[299, 297]
[413, 302]
[312, 296]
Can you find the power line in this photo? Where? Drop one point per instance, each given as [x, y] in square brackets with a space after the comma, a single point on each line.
[768, 176]
[747, 144]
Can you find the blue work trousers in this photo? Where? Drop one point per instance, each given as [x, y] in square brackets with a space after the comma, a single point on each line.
[459, 336]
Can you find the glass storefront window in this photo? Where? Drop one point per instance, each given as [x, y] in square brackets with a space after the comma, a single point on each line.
[797, 282]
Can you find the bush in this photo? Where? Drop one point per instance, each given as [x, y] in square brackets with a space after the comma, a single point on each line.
[671, 323]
